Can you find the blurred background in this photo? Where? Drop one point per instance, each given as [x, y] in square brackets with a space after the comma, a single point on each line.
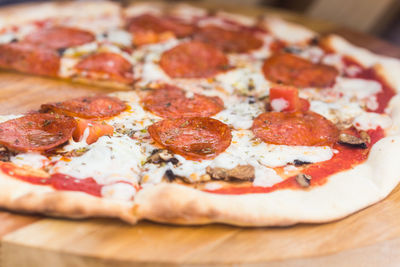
[376, 17]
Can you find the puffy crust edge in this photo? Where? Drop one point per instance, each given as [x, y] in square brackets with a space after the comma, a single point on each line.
[287, 31]
[25, 197]
[343, 194]
[23, 13]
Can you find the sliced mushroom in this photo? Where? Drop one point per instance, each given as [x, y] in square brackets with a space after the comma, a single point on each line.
[303, 180]
[5, 154]
[239, 173]
[365, 136]
[162, 155]
[351, 140]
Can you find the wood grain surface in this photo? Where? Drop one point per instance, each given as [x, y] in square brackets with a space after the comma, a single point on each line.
[370, 237]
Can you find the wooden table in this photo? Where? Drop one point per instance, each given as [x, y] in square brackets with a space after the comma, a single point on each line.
[370, 237]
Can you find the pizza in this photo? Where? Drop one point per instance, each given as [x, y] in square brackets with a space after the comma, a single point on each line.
[222, 117]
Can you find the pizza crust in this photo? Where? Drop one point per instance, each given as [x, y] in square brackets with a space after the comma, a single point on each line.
[343, 194]
[20, 196]
[363, 186]
[288, 31]
[24, 13]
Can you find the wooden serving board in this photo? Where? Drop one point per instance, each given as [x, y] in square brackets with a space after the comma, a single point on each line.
[370, 237]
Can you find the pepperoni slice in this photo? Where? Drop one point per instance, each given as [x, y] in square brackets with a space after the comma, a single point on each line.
[59, 37]
[100, 106]
[25, 57]
[150, 23]
[292, 70]
[36, 132]
[193, 60]
[231, 41]
[171, 102]
[194, 138]
[107, 66]
[295, 129]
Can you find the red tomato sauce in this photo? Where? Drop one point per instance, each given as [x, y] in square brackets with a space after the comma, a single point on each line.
[58, 181]
[347, 158]
[387, 92]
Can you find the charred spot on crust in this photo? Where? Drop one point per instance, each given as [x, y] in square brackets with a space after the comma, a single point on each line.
[351, 140]
[298, 162]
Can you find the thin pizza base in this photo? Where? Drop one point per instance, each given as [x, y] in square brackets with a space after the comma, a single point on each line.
[343, 194]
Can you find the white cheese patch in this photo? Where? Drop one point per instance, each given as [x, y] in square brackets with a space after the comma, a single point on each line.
[358, 88]
[313, 54]
[107, 160]
[152, 72]
[339, 111]
[4, 118]
[266, 177]
[279, 104]
[265, 50]
[81, 49]
[245, 145]
[244, 81]
[117, 36]
[67, 66]
[136, 118]
[371, 120]
[6, 37]
[119, 191]
[239, 114]
[245, 150]
[33, 160]
[153, 173]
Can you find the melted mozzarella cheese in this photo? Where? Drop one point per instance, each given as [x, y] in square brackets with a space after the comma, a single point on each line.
[33, 160]
[339, 111]
[245, 145]
[107, 160]
[4, 118]
[266, 177]
[244, 81]
[117, 36]
[358, 88]
[279, 104]
[239, 114]
[6, 37]
[81, 49]
[371, 120]
[136, 118]
[244, 150]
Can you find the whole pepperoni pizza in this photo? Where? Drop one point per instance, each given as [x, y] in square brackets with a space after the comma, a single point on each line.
[224, 118]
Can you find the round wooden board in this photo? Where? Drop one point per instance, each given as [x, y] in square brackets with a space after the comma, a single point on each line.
[370, 237]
